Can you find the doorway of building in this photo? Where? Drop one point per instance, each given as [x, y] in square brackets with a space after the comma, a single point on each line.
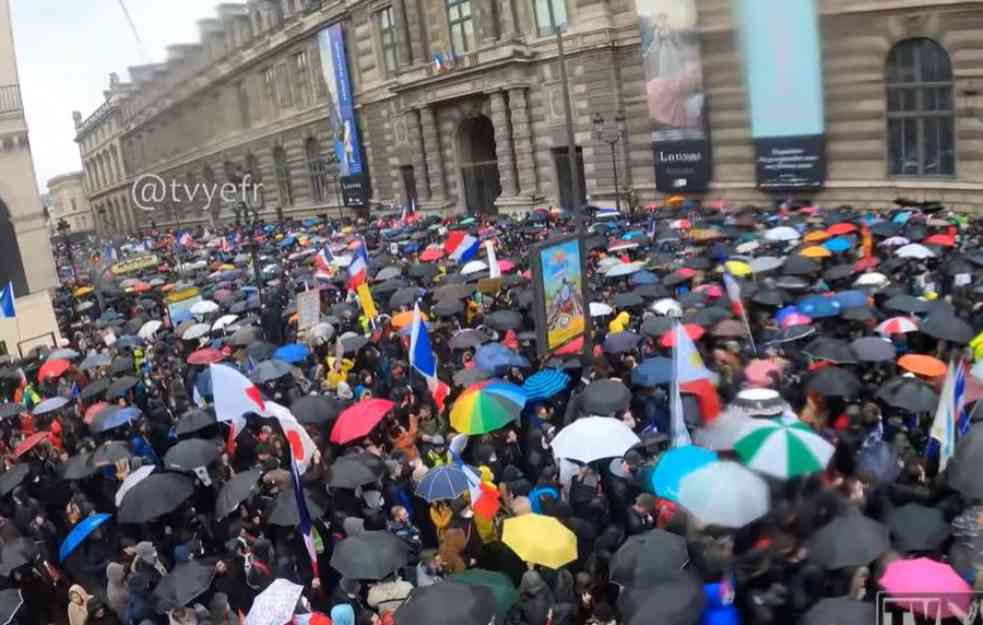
[409, 183]
[11, 263]
[479, 165]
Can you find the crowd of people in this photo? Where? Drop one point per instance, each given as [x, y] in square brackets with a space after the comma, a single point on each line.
[771, 422]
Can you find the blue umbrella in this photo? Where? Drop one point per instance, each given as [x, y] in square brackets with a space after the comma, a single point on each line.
[493, 357]
[441, 483]
[115, 418]
[818, 306]
[128, 340]
[652, 372]
[292, 353]
[311, 221]
[850, 299]
[676, 464]
[545, 384]
[621, 342]
[839, 245]
[179, 315]
[79, 533]
[536, 495]
[785, 312]
[640, 278]
[50, 405]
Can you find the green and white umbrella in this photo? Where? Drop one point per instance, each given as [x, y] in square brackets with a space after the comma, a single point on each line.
[782, 449]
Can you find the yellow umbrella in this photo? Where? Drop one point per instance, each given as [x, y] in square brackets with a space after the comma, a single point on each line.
[227, 267]
[738, 268]
[815, 252]
[83, 290]
[540, 539]
[816, 236]
[977, 346]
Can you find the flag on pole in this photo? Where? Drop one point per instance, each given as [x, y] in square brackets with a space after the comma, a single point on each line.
[461, 246]
[422, 359]
[678, 435]
[7, 299]
[302, 447]
[358, 270]
[963, 417]
[944, 424]
[365, 299]
[494, 271]
[737, 305]
[234, 396]
[304, 526]
[691, 376]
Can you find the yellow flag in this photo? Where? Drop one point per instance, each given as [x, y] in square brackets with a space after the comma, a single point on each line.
[365, 298]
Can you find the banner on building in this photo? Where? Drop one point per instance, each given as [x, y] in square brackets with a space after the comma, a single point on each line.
[344, 127]
[560, 307]
[780, 48]
[670, 42]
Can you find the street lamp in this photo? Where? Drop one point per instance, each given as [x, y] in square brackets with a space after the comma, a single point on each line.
[612, 135]
[65, 230]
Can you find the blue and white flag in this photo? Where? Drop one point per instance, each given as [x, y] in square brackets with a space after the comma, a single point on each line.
[422, 359]
[944, 425]
[7, 300]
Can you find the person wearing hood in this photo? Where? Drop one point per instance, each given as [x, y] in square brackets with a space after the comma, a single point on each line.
[100, 613]
[535, 600]
[220, 612]
[116, 593]
[145, 573]
[78, 613]
[619, 323]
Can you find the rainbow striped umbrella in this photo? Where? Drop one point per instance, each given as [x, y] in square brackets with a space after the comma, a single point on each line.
[487, 406]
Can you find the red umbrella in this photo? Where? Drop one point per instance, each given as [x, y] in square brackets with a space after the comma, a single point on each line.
[357, 421]
[944, 240]
[711, 290]
[93, 410]
[866, 263]
[573, 347]
[431, 254]
[506, 265]
[30, 443]
[53, 369]
[205, 356]
[844, 228]
[692, 330]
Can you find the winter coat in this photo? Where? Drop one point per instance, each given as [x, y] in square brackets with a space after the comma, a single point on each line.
[78, 614]
[451, 548]
[140, 585]
[536, 599]
[116, 593]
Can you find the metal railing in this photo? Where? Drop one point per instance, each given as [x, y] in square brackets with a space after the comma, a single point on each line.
[10, 99]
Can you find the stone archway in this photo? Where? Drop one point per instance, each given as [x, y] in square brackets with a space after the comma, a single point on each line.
[11, 263]
[479, 164]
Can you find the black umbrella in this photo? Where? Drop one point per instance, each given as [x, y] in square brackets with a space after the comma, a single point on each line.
[908, 393]
[907, 304]
[270, 370]
[849, 540]
[424, 271]
[406, 296]
[16, 554]
[371, 555]
[621, 342]
[94, 389]
[182, 585]
[194, 421]
[120, 387]
[791, 334]
[964, 470]
[675, 600]
[791, 283]
[709, 317]
[447, 307]
[454, 291]
[448, 603]
[873, 349]
[650, 291]
[244, 336]
[503, 320]
[627, 300]
[390, 286]
[282, 511]
[838, 272]
[797, 265]
[604, 397]
[260, 351]
[833, 350]
[354, 471]
[316, 409]
[862, 313]
[11, 602]
[653, 555]
[154, 496]
[12, 477]
[917, 528]
[769, 297]
[235, 491]
[351, 342]
[657, 326]
[948, 327]
[834, 382]
[192, 453]
[79, 467]
[468, 339]
[121, 365]
[110, 453]
[840, 610]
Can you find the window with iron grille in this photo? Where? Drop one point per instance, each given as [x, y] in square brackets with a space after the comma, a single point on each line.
[543, 23]
[316, 169]
[269, 87]
[387, 38]
[283, 182]
[302, 78]
[283, 89]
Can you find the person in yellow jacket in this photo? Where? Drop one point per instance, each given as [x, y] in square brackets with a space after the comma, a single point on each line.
[337, 371]
[619, 323]
[486, 527]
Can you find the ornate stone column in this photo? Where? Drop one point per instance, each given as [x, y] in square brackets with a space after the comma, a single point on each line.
[415, 139]
[503, 144]
[525, 161]
[433, 154]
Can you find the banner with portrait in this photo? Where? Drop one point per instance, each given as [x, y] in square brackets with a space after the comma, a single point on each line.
[558, 280]
[670, 44]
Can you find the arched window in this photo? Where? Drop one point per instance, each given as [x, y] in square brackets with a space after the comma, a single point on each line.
[283, 184]
[316, 169]
[920, 125]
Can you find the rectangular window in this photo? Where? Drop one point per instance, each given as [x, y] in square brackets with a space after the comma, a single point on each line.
[242, 93]
[387, 37]
[461, 24]
[269, 87]
[283, 89]
[74, 206]
[302, 78]
[543, 23]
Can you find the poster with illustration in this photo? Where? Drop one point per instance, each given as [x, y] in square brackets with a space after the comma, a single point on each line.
[558, 275]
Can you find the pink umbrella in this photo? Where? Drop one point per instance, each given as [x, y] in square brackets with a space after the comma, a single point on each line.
[711, 290]
[927, 577]
[757, 372]
[897, 325]
[506, 266]
[795, 319]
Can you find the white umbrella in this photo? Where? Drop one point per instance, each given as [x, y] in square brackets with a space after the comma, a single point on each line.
[895, 242]
[722, 432]
[623, 269]
[747, 247]
[914, 250]
[473, 267]
[725, 494]
[593, 438]
[204, 307]
[196, 331]
[132, 480]
[600, 309]
[607, 262]
[224, 322]
[783, 450]
[782, 233]
[342, 261]
[667, 307]
[322, 331]
[763, 264]
[276, 604]
[149, 329]
[871, 279]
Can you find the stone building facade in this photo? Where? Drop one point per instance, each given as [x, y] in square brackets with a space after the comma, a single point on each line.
[68, 200]
[460, 107]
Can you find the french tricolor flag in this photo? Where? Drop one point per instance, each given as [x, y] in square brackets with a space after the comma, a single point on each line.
[358, 271]
[324, 258]
[422, 359]
[185, 240]
[461, 246]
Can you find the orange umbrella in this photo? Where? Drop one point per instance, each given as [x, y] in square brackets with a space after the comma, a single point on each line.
[53, 369]
[815, 252]
[838, 229]
[405, 318]
[923, 365]
[816, 236]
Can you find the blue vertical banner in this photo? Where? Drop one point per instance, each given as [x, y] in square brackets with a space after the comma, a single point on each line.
[344, 126]
[780, 48]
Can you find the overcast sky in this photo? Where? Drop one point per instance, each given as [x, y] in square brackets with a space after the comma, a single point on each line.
[66, 50]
